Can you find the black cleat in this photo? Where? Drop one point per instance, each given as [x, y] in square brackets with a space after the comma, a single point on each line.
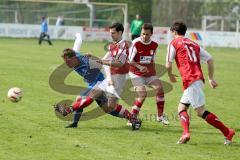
[62, 109]
[72, 125]
[136, 124]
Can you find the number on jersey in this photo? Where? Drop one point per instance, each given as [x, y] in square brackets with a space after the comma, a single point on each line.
[191, 53]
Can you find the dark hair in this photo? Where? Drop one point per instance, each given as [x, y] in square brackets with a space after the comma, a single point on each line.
[179, 27]
[117, 26]
[68, 53]
[148, 26]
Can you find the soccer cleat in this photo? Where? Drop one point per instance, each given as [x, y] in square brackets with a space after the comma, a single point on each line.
[184, 139]
[62, 109]
[72, 125]
[228, 138]
[136, 123]
[163, 119]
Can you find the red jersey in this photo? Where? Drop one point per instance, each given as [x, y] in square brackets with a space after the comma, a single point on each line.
[187, 55]
[143, 54]
[118, 51]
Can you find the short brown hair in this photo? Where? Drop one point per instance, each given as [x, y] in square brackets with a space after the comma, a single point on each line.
[148, 26]
[179, 27]
[117, 26]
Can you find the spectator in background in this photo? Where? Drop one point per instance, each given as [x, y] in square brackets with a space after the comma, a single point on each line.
[60, 21]
[44, 32]
[136, 27]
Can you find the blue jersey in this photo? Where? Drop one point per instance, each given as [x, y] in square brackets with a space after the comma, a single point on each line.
[90, 75]
[44, 27]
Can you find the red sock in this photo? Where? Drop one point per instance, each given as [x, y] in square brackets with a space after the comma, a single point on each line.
[184, 119]
[136, 107]
[160, 104]
[122, 112]
[80, 104]
[214, 121]
[118, 108]
[127, 115]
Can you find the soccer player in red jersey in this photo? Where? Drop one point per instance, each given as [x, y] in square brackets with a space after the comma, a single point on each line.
[142, 71]
[188, 55]
[116, 68]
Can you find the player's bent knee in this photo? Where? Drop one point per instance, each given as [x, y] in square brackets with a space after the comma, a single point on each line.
[183, 107]
[78, 98]
[200, 111]
[142, 97]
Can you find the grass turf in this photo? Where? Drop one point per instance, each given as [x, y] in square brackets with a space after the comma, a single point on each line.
[30, 129]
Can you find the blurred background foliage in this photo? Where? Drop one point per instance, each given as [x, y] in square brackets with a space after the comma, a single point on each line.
[159, 12]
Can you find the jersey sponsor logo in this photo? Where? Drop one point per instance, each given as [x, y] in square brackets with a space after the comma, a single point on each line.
[145, 59]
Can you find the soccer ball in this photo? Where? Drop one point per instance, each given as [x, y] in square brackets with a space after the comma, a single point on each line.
[14, 94]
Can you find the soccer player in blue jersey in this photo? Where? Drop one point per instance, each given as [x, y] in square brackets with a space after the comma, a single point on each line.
[83, 65]
[44, 32]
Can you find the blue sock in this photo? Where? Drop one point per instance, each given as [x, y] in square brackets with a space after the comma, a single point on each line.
[77, 115]
[114, 113]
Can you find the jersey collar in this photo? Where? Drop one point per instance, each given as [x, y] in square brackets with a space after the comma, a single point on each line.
[145, 42]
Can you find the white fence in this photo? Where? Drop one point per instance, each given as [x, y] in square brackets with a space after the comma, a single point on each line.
[161, 34]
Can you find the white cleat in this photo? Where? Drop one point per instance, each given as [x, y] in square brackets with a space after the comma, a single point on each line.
[228, 138]
[184, 138]
[163, 119]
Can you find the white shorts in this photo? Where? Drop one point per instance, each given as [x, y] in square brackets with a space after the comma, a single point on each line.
[194, 95]
[116, 89]
[141, 81]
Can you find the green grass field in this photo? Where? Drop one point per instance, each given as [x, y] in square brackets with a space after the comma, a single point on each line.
[30, 130]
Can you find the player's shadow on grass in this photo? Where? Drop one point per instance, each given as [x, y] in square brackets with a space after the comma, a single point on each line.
[143, 129]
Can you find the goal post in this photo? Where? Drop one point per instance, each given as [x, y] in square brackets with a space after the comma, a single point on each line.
[221, 26]
[220, 23]
[92, 9]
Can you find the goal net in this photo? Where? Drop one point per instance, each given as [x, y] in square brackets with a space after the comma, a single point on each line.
[219, 23]
[73, 13]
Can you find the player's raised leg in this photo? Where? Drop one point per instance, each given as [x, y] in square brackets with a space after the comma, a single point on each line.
[80, 103]
[213, 120]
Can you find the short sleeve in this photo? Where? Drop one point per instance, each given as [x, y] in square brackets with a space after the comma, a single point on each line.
[171, 53]
[204, 55]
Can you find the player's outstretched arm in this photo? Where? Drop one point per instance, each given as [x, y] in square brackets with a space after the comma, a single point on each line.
[78, 42]
[112, 63]
[142, 69]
